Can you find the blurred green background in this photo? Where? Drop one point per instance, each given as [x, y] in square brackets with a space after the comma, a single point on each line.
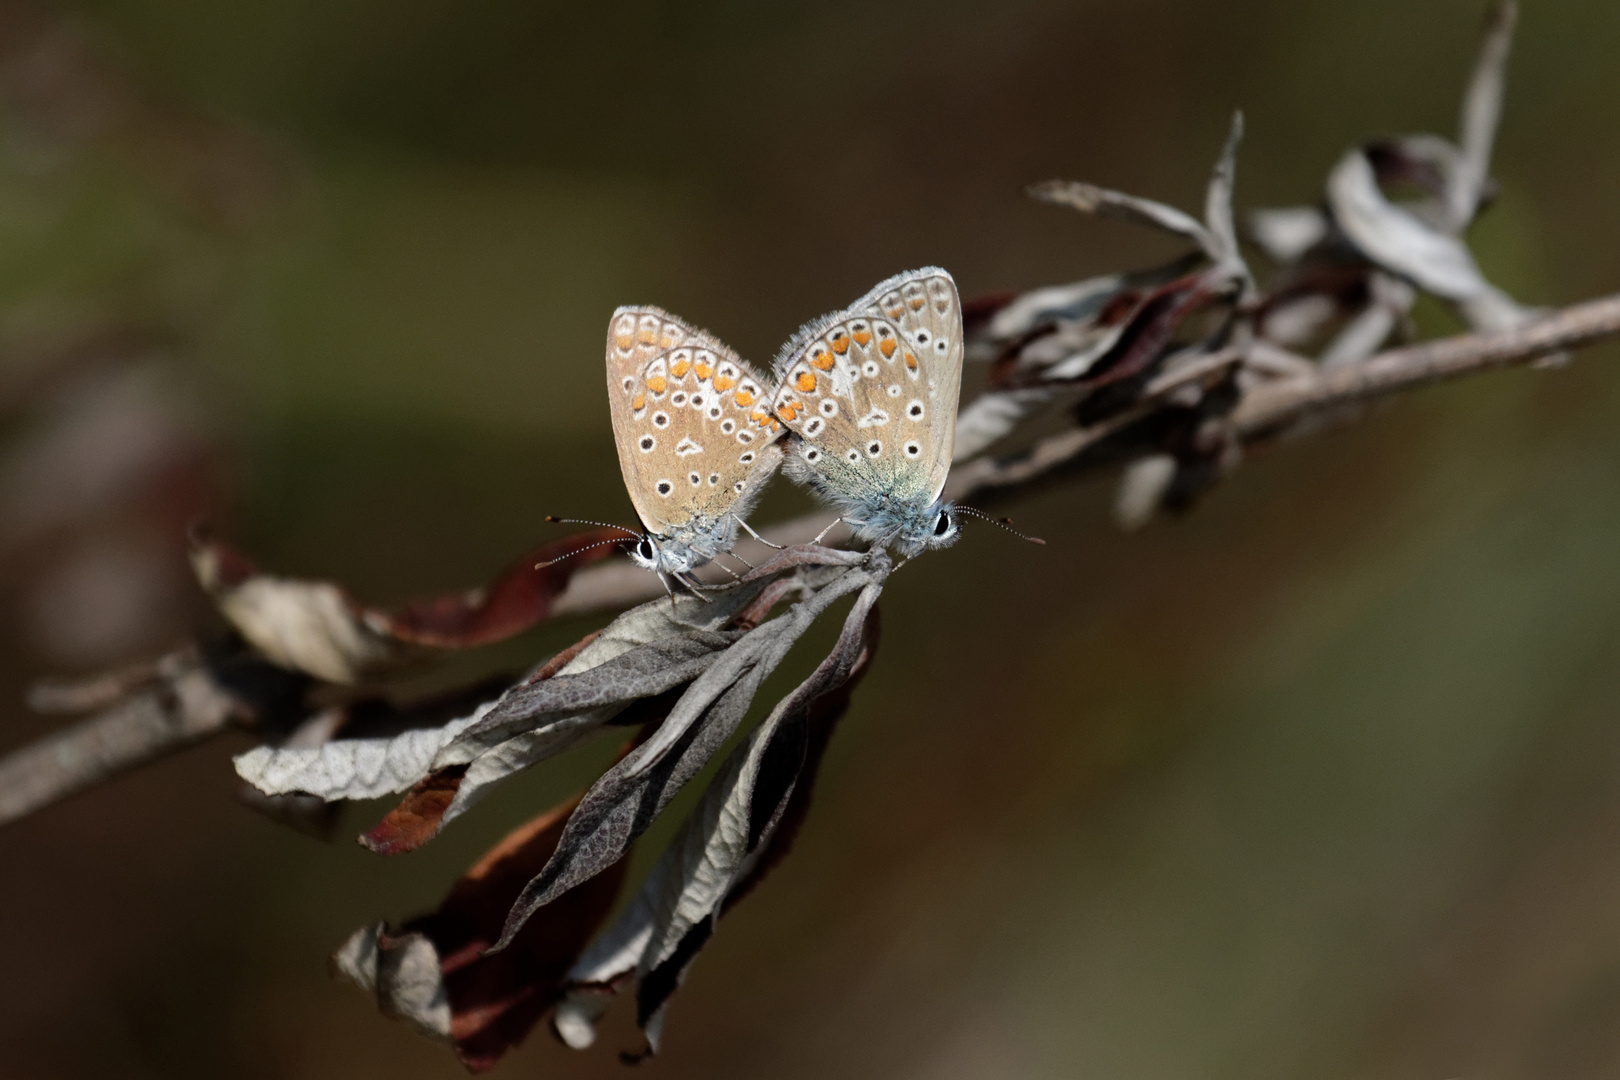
[1322, 780]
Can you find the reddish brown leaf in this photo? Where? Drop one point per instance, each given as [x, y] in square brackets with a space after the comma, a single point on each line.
[516, 600]
[415, 820]
[496, 999]
[1154, 322]
[318, 628]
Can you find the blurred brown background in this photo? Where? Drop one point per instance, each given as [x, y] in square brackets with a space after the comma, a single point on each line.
[1322, 780]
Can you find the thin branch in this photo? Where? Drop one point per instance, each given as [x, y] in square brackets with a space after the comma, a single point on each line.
[153, 723]
[1272, 405]
[1263, 409]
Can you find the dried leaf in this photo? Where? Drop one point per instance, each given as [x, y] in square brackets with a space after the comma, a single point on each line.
[719, 849]
[437, 972]
[518, 598]
[1091, 199]
[1142, 488]
[403, 971]
[1218, 215]
[625, 800]
[351, 768]
[1481, 113]
[592, 682]
[1286, 234]
[316, 627]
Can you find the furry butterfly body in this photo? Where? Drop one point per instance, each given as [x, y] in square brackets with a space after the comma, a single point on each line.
[870, 395]
[695, 436]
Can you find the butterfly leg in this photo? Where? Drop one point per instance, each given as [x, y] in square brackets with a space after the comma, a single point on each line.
[663, 579]
[734, 575]
[692, 584]
[827, 530]
[750, 530]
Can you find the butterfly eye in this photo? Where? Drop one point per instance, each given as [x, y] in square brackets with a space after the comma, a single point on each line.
[645, 549]
[943, 523]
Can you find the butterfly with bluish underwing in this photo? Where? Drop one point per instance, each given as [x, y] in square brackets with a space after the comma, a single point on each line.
[870, 395]
[695, 434]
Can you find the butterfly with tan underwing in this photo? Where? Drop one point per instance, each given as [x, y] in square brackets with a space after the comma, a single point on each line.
[870, 395]
[696, 438]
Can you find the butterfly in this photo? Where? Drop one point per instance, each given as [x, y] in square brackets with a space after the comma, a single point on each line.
[695, 434]
[870, 395]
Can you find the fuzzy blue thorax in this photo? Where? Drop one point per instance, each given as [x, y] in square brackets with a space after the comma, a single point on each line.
[909, 526]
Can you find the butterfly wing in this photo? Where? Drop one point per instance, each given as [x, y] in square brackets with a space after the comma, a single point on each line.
[872, 391]
[696, 440]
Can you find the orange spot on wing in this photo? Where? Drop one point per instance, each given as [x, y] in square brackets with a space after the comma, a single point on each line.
[840, 343]
[656, 384]
[886, 347]
[744, 399]
[863, 338]
[639, 404]
[704, 371]
[624, 341]
[916, 303]
[823, 360]
[806, 382]
[722, 383]
[896, 312]
[679, 369]
[911, 362]
[788, 411]
[646, 337]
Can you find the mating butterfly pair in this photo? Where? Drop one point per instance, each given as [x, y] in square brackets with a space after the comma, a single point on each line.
[862, 408]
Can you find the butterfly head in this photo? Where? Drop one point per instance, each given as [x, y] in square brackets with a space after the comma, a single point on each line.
[910, 527]
[664, 555]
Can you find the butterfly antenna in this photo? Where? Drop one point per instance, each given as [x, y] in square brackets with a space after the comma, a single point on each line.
[1005, 523]
[576, 551]
[602, 524]
[750, 530]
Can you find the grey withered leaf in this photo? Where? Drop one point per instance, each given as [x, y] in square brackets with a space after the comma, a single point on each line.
[660, 934]
[624, 801]
[641, 653]
[630, 659]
